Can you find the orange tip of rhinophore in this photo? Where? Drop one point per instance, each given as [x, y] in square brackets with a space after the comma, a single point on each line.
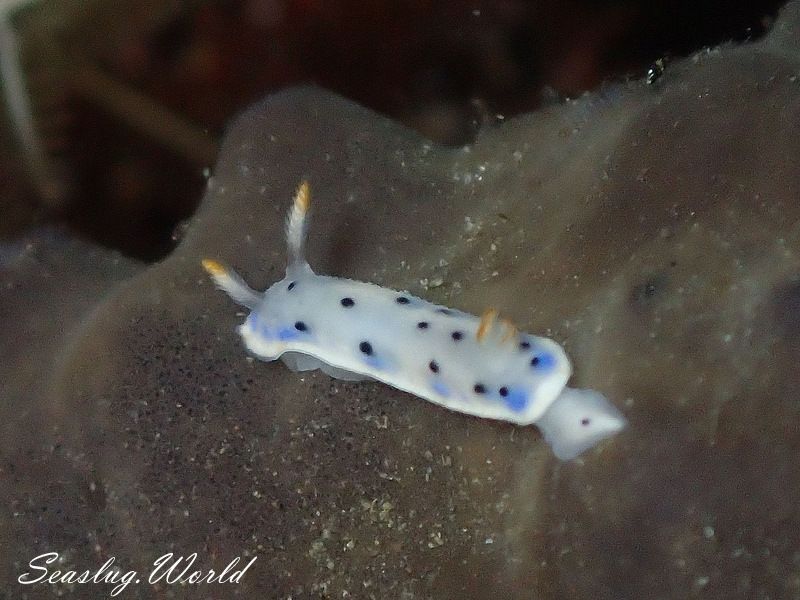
[487, 321]
[302, 198]
[212, 267]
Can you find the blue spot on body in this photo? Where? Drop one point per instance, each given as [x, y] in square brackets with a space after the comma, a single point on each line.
[261, 328]
[288, 333]
[258, 327]
[440, 388]
[375, 362]
[543, 361]
[516, 400]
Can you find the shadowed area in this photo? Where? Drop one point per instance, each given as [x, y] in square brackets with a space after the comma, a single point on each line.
[652, 229]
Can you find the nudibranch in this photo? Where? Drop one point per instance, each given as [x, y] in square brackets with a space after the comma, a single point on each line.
[482, 366]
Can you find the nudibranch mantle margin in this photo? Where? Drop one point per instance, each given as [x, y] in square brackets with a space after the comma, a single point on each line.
[482, 366]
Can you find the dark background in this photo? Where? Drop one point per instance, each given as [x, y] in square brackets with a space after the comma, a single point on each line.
[131, 100]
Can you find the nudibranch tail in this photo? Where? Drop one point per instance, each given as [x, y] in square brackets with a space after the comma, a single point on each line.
[578, 420]
[296, 226]
[233, 285]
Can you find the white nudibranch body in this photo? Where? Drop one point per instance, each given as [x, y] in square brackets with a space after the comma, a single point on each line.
[354, 330]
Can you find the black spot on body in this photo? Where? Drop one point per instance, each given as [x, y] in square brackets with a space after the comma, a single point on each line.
[524, 345]
[422, 325]
[479, 388]
[534, 361]
[433, 366]
[290, 287]
[300, 326]
[444, 311]
[456, 335]
[366, 348]
[585, 422]
[504, 391]
[347, 302]
[402, 300]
